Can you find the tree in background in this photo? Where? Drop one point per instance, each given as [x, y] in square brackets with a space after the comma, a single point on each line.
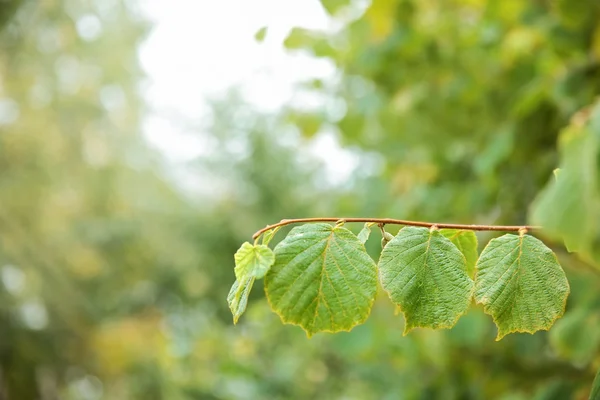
[114, 280]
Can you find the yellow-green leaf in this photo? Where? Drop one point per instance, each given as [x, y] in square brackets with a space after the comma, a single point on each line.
[238, 296]
[260, 35]
[425, 275]
[268, 235]
[323, 279]
[520, 284]
[365, 232]
[253, 261]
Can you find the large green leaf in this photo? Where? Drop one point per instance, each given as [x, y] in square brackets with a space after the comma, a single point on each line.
[238, 296]
[323, 279]
[253, 261]
[466, 241]
[426, 276]
[520, 284]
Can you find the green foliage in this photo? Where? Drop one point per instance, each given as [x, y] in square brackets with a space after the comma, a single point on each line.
[576, 336]
[451, 109]
[238, 296]
[426, 276]
[595, 393]
[520, 284]
[466, 242]
[322, 279]
[569, 206]
[253, 261]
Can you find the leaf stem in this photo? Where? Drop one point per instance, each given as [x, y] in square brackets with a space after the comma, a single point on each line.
[391, 221]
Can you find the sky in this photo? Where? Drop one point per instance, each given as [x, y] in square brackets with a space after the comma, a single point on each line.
[199, 48]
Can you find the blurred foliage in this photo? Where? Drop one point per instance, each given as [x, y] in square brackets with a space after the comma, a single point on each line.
[569, 207]
[114, 279]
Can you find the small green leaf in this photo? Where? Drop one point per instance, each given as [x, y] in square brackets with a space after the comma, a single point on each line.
[268, 235]
[323, 279]
[253, 261]
[365, 232]
[520, 284]
[425, 274]
[595, 393]
[238, 297]
[466, 241]
[260, 35]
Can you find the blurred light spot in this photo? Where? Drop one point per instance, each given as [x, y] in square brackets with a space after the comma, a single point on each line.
[87, 388]
[336, 109]
[67, 70]
[96, 151]
[48, 40]
[106, 8]
[165, 135]
[9, 111]
[340, 163]
[112, 97]
[89, 27]
[34, 314]
[13, 279]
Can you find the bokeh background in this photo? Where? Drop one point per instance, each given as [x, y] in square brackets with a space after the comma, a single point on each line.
[141, 142]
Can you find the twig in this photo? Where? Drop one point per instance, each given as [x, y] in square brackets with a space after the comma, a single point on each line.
[390, 221]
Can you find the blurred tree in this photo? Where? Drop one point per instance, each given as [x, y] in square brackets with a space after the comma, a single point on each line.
[113, 280]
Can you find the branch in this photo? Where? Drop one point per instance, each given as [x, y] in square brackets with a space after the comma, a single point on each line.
[390, 221]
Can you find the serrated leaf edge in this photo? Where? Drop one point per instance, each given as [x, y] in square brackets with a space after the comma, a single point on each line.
[408, 327]
[309, 333]
[502, 334]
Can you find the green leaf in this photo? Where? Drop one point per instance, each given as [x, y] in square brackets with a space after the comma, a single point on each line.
[466, 241]
[365, 232]
[520, 284]
[268, 235]
[253, 261]
[595, 393]
[238, 296]
[425, 274]
[569, 207]
[323, 279]
[260, 35]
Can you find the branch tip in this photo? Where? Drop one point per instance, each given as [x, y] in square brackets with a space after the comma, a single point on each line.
[381, 222]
